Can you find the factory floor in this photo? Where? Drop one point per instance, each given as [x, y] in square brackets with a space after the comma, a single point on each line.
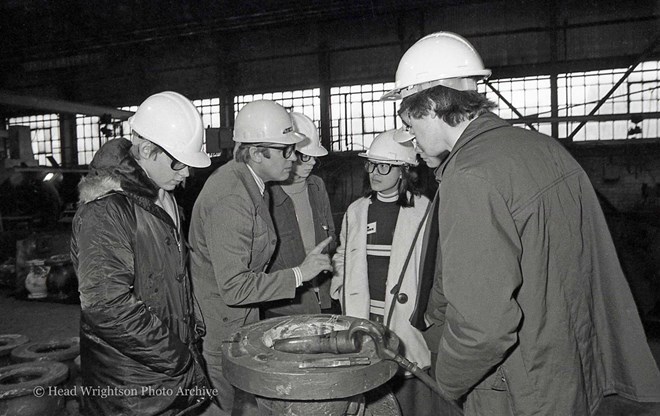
[42, 321]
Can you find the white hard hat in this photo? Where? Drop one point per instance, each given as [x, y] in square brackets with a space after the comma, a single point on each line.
[311, 146]
[441, 58]
[385, 149]
[265, 121]
[402, 135]
[171, 121]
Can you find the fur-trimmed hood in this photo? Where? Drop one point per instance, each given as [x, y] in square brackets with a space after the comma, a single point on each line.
[115, 169]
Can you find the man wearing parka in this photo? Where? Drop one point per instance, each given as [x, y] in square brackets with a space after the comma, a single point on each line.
[536, 315]
[137, 329]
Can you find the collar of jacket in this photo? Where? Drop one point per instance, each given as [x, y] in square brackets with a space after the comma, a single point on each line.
[243, 173]
[115, 170]
[479, 125]
[279, 197]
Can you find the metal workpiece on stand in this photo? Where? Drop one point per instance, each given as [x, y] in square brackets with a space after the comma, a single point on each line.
[301, 383]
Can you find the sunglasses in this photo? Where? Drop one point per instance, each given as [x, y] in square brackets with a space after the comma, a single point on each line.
[382, 168]
[175, 164]
[287, 150]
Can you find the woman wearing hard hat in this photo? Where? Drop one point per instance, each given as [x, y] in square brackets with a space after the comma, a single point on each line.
[377, 262]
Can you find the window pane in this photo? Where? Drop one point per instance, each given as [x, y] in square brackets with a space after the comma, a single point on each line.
[44, 133]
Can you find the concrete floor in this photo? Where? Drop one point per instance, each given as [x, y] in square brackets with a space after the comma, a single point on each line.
[42, 321]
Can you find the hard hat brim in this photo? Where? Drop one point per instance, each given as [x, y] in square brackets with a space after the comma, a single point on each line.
[459, 83]
[194, 160]
[391, 95]
[311, 148]
[292, 137]
[315, 152]
[383, 160]
[401, 136]
[297, 138]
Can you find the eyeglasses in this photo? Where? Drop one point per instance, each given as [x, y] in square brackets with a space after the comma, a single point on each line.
[287, 150]
[382, 168]
[303, 157]
[175, 164]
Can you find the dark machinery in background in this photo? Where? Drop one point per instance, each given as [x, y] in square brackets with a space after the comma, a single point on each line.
[35, 212]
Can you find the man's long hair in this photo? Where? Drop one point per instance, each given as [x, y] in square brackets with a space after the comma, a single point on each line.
[451, 105]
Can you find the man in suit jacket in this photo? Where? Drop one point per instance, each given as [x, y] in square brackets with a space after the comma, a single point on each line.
[232, 236]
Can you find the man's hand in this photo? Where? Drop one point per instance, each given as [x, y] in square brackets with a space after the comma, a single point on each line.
[316, 261]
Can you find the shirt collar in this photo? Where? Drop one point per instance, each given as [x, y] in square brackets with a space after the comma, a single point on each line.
[260, 183]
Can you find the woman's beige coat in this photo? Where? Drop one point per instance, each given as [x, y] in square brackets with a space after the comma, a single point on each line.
[351, 256]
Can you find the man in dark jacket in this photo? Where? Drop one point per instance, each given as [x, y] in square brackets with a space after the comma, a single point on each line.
[138, 329]
[301, 214]
[535, 313]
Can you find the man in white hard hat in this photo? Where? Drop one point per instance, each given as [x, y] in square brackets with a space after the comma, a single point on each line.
[535, 314]
[137, 321]
[301, 214]
[233, 238]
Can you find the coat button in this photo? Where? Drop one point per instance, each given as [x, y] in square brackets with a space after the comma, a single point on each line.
[179, 278]
[273, 242]
[402, 298]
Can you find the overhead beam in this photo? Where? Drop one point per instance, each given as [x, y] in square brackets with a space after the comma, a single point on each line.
[651, 115]
[52, 105]
[648, 51]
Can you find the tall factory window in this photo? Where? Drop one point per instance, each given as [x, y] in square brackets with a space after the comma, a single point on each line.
[307, 102]
[644, 97]
[622, 114]
[357, 115]
[89, 137]
[126, 128]
[45, 134]
[530, 96]
[209, 108]
[92, 132]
